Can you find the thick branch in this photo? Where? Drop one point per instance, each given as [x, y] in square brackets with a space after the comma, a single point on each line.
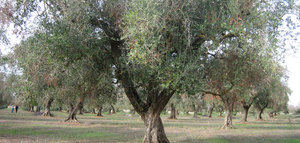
[209, 92]
[230, 35]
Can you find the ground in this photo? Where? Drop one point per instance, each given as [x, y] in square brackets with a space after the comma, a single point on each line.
[28, 127]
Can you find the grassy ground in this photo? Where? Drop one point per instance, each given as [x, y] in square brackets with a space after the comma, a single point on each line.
[27, 127]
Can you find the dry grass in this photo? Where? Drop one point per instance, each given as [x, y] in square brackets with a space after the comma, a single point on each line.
[26, 127]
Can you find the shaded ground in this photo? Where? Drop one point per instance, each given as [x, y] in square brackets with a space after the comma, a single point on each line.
[26, 127]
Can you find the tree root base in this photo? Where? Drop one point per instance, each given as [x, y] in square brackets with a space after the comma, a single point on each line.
[72, 121]
[69, 120]
[228, 127]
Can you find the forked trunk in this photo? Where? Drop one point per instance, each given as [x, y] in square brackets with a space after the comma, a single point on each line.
[99, 114]
[73, 112]
[173, 112]
[47, 108]
[196, 111]
[72, 117]
[156, 101]
[246, 110]
[155, 132]
[259, 116]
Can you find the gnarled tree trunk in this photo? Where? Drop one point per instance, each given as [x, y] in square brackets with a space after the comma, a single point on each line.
[47, 108]
[173, 112]
[228, 117]
[259, 116]
[156, 100]
[210, 109]
[70, 108]
[99, 114]
[246, 110]
[80, 108]
[73, 111]
[246, 107]
[155, 132]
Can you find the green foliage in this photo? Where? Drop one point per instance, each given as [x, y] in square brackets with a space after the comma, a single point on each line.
[154, 49]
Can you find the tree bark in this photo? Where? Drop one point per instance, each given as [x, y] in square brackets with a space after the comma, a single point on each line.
[220, 110]
[246, 107]
[93, 111]
[246, 110]
[210, 109]
[80, 108]
[196, 111]
[73, 112]
[228, 117]
[259, 116]
[99, 114]
[47, 108]
[156, 100]
[173, 112]
[70, 108]
[38, 109]
[155, 132]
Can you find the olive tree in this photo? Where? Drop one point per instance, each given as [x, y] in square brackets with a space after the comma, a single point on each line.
[152, 45]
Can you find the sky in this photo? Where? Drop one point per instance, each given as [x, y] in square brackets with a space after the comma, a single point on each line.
[292, 59]
[293, 66]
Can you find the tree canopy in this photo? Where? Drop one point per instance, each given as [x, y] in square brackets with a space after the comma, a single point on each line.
[153, 48]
